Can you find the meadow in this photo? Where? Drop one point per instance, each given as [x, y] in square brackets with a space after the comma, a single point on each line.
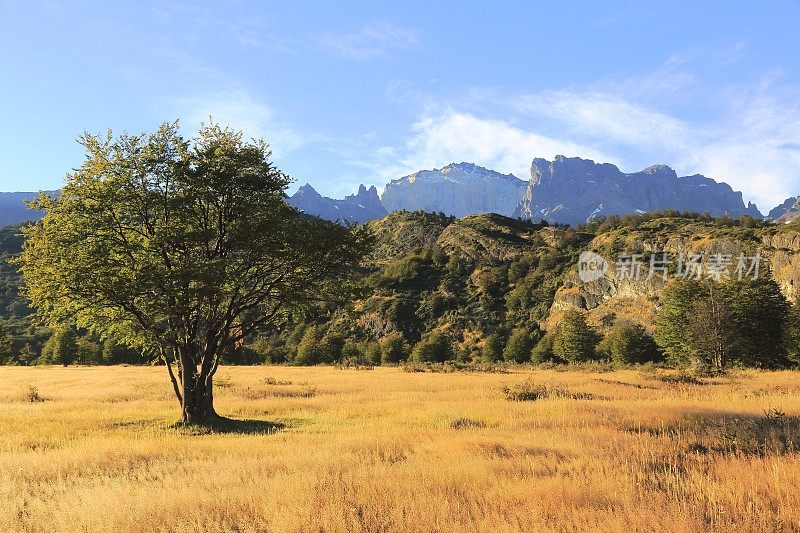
[330, 449]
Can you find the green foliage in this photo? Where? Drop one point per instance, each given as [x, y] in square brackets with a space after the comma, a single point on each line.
[792, 333]
[672, 323]
[6, 351]
[542, 352]
[719, 324]
[574, 340]
[62, 348]
[115, 353]
[628, 343]
[394, 348]
[519, 345]
[187, 247]
[760, 318]
[492, 349]
[88, 350]
[373, 353]
[331, 346]
[308, 351]
[435, 348]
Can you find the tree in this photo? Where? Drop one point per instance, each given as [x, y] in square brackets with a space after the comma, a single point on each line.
[393, 348]
[61, 348]
[373, 353]
[574, 340]
[519, 346]
[6, 352]
[435, 348]
[792, 333]
[492, 349]
[760, 318]
[330, 348]
[308, 349]
[711, 331]
[114, 353]
[182, 246]
[672, 322]
[542, 352]
[628, 343]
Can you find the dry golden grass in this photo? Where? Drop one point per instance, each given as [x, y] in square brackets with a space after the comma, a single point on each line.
[386, 450]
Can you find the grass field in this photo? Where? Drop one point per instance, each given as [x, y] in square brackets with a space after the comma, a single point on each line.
[326, 449]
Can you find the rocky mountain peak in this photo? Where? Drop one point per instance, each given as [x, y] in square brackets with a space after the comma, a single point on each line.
[457, 189]
[785, 207]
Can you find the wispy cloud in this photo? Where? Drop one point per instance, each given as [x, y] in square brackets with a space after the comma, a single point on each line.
[746, 135]
[376, 39]
[241, 111]
[452, 136]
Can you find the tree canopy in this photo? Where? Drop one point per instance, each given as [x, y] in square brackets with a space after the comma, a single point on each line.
[183, 248]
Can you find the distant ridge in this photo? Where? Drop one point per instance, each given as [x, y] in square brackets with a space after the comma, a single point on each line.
[13, 209]
[567, 190]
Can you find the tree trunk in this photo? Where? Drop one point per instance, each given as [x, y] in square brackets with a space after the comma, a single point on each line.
[197, 390]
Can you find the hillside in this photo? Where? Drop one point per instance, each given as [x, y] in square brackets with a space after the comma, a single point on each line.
[485, 275]
[482, 275]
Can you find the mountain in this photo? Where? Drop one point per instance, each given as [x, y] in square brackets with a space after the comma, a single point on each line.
[791, 214]
[360, 207]
[788, 211]
[573, 190]
[458, 189]
[567, 190]
[13, 209]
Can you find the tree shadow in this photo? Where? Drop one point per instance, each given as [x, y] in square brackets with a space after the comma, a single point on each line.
[225, 425]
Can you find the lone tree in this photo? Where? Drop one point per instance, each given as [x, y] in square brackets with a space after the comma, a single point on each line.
[182, 248]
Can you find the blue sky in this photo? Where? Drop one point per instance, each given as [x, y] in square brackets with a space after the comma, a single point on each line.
[349, 93]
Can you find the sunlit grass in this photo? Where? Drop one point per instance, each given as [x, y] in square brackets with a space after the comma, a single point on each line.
[330, 449]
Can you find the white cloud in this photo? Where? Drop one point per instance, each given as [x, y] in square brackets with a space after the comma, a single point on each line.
[455, 137]
[376, 39]
[239, 110]
[749, 138]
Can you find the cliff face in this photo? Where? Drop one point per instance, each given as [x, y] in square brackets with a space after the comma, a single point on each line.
[637, 300]
[784, 208]
[573, 190]
[792, 213]
[457, 189]
[360, 207]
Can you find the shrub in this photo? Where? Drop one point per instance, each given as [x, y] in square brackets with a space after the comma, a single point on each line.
[32, 395]
[528, 391]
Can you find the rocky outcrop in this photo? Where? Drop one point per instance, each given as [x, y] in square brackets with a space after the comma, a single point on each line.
[574, 190]
[360, 207]
[792, 213]
[637, 300]
[457, 189]
[784, 208]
